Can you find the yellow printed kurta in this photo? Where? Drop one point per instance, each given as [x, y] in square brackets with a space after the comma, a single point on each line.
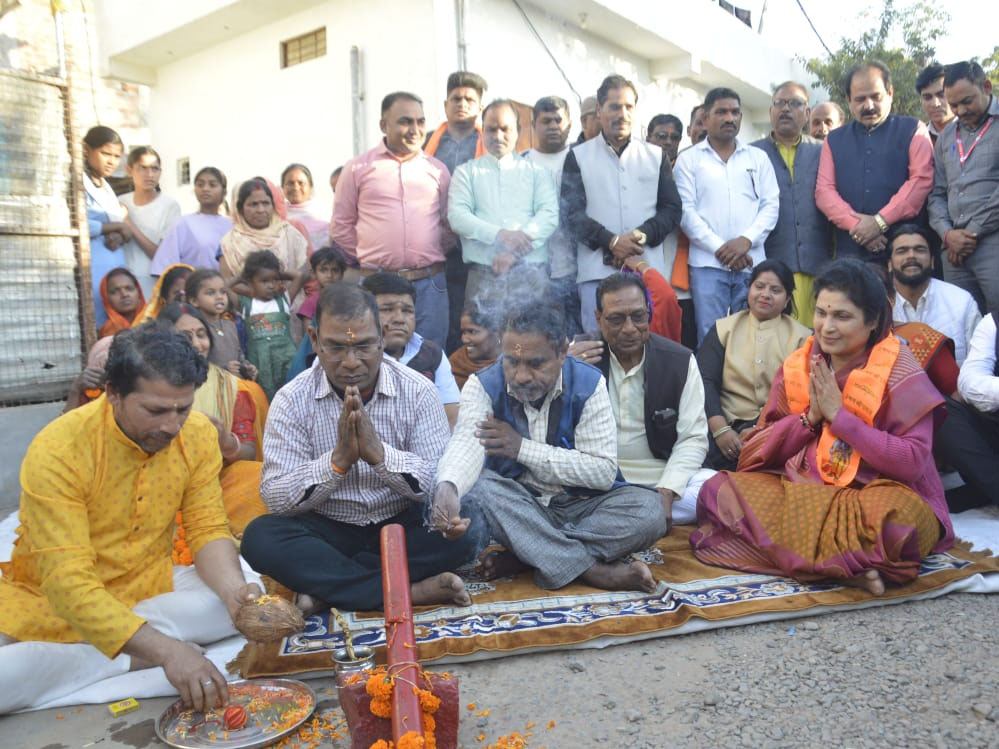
[97, 523]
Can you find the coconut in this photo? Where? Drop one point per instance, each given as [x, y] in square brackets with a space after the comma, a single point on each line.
[268, 618]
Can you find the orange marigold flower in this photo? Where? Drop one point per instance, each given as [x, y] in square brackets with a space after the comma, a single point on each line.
[551, 724]
[380, 687]
[471, 705]
[480, 737]
[412, 740]
[529, 726]
[381, 744]
[429, 702]
[381, 708]
[483, 713]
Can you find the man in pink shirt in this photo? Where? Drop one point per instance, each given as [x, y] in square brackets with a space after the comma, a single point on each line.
[391, 211]
[874, 171]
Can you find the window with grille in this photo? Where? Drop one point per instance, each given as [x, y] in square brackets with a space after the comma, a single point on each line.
[184, 171]
[302, 48]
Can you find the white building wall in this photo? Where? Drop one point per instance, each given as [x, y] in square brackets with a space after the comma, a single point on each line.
[231, 105]
[234, 107]
[502, 48]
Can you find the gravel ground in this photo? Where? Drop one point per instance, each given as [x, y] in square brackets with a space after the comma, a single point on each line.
[921, 674]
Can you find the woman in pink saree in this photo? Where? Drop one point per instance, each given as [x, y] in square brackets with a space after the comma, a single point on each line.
[837, 479]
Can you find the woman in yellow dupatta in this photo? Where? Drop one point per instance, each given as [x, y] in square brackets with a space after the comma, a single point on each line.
[238, 410]
[169, 288]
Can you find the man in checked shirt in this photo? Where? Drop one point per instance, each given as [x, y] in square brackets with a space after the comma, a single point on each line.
[350, 445]
[535, 449]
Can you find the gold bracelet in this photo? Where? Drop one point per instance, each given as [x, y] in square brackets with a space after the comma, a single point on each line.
[720, 432]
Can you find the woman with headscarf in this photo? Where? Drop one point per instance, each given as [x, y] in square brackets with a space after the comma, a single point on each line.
[169, 288]
[296, 184]
[123, 300]
[259, 223]
[837, 479]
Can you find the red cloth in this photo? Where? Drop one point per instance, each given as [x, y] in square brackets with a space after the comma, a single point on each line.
[244, 413]
[667, 317]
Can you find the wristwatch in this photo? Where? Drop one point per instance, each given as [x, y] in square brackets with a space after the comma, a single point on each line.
[640, 236]
[882, 224]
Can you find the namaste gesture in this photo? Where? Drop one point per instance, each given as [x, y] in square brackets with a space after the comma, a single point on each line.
[356, 435]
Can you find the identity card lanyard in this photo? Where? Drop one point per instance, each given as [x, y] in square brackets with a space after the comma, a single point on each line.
[961, 155]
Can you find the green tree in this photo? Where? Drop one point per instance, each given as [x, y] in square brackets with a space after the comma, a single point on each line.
[991, 66]
[904, 39]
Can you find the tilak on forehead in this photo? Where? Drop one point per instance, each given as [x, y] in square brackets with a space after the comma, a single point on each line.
[518, 349]
[350, 335]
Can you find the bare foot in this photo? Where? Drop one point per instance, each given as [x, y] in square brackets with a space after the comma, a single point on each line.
[870, 581]
[630, 575]
[496, 564]
[446, 587]
[309, 605]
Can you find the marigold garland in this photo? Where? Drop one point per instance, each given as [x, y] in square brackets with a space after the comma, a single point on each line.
[379, 688]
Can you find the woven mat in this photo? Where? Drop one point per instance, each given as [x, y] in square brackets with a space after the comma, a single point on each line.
[512, 616]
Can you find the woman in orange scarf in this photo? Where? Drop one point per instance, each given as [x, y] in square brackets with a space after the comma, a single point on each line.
[837, 479]
[123, 300]
[479, 344]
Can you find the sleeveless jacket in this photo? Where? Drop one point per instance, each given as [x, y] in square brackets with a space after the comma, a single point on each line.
[579, 381]
[871, 166]
[666, 365]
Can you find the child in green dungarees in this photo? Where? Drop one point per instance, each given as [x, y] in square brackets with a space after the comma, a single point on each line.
[267, 316]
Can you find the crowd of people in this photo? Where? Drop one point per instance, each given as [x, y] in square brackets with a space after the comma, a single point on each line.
[544, 358]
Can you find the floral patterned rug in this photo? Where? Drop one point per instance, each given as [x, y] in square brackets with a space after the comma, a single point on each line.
[512, 616]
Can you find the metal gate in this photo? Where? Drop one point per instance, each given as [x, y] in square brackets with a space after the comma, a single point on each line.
[46, 318]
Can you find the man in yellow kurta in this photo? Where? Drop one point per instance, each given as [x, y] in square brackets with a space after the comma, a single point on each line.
[101, 487]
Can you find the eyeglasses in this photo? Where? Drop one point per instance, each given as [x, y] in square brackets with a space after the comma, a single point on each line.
[638, 319]
[361, 350]
[789, 103]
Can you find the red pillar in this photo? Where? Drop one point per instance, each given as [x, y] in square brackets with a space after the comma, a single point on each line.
[399, 633]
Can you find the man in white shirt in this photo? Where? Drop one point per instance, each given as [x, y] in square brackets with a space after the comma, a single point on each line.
[551, 133]
[968, 440]
[730, 205]
[535, 450]
[504, 208]
[946, 308]
[657, 396]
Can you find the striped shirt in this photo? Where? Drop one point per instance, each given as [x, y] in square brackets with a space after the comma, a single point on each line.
[301, 433]
[593, 464]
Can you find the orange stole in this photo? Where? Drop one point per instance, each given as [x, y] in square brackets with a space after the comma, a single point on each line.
[435, 140]
[836, 461]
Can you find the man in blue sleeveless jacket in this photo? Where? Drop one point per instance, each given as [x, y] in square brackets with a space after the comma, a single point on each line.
[535, 449]
[874, 171]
